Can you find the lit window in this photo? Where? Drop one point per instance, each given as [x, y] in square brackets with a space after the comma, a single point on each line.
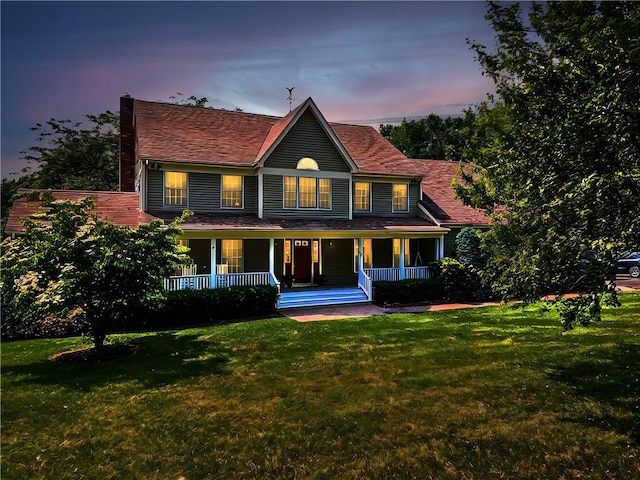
[232, 255]
[361, 194]
[400, 197]
[232, 191]
[367, 260]
[306, 192]
[175, 188]
[307, 163]
[287, 251]
[308, 196]
[315, 252]
[396, 252]
[324, 187]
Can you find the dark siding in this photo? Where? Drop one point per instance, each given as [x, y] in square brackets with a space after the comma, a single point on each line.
[382, 199]
[450, 242]
[273, 200]
[382, 252]
[256, 255]
[279, 258]
[204, 192]
[201, 254]
[250, 195]
[154, 190]
[337, 263]
[307, 139]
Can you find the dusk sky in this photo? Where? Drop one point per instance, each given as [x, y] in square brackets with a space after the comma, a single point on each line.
[362, 62]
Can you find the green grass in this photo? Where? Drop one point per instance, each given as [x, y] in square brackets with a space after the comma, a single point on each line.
[468, 394]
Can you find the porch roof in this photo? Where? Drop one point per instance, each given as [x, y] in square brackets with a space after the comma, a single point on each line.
[249, 223]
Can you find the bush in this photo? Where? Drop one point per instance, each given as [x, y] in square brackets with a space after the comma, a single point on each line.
[454, 281]
[406, 291]
[175, 309]
[470, 254]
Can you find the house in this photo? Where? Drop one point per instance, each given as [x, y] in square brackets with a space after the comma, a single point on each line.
[294, 200]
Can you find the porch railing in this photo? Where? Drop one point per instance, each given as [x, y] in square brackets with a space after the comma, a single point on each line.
[243, 279]
[417, 272]
[198, 282]
[365, 283]
[392, 274]
[187, 282]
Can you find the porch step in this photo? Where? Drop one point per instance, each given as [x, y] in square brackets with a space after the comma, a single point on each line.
[312, 298]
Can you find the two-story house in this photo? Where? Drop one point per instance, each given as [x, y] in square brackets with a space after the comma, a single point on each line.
[291, 199]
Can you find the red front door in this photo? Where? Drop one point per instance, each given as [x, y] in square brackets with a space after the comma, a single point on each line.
[302, 260]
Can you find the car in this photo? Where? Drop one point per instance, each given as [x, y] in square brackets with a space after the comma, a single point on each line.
[630, 263]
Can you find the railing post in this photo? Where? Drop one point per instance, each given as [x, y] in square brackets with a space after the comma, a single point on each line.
[402, 273]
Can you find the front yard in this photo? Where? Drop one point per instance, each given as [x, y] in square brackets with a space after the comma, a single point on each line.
[473, 394]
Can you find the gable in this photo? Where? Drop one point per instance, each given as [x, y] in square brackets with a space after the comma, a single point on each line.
[307, 138]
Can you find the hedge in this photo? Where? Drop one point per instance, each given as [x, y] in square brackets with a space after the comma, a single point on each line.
[174, 309]
[407, 291]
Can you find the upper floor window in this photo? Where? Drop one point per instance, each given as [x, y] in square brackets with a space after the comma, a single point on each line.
[307, 163]
[307, 192]
[232, 191]
[400, 197]
[175, 188]
[362, 196]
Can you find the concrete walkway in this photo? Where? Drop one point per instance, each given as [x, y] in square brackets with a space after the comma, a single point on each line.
[315, 314]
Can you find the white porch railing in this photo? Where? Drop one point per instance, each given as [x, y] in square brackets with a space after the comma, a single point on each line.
[392, 274]
[365, 283]
[243, 279]
[187, 282]
[199, 282]
[417, 272]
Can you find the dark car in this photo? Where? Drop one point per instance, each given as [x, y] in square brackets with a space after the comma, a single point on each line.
[630, 263]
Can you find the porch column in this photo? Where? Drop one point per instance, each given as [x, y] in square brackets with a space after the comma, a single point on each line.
[360, 254]
[440, 248]
[272, 257]
[402, 272]
[213, 263]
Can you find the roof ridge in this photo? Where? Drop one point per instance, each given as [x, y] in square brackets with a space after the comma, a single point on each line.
[224, 110]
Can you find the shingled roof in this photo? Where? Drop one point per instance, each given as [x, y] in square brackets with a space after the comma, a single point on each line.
[438, 197]
[121, 208]
[179, 133]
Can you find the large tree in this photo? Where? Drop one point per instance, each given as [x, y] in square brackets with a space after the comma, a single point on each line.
[559, 151]
[70, 262]
[431, 137]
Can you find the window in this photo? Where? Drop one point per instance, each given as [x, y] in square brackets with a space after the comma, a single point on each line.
[232, 255]
[315, 252]
[232, 191]
[367, 255]
[324, 187]
[362, 196]
[400, 197]
[307, 192]
[175, 188]
[396, 252]
[308, 197]
[287, 251]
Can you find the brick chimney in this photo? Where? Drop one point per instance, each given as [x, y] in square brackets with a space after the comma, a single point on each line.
[127, 146]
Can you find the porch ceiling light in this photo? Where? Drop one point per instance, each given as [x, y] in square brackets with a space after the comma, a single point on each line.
[307, 163]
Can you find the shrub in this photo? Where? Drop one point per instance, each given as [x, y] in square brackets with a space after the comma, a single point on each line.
[454, 281]
[470, 254]
[406, 291]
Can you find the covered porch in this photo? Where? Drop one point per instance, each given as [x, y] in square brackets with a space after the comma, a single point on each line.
[336, 260]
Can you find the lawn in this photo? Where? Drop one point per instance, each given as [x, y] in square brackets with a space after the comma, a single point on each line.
[467, 394]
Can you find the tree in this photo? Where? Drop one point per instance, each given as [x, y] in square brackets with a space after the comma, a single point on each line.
[431, 137]
[469, 253]
[69, 260]
[559, 150]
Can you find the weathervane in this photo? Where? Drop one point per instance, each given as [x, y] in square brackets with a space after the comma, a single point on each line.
[290, 97]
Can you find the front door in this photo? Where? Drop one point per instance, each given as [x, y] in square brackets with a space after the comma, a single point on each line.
[302, 260]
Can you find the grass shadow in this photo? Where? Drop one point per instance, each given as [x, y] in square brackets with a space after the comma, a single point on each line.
[610, 376]
[164, 358]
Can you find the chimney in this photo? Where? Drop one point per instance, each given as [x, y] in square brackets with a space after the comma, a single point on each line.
[127, 146]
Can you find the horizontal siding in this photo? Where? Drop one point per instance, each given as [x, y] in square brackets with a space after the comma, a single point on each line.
[307, 138]
[337, 262]
[204, 193]
[273, 200]
[382, 201]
